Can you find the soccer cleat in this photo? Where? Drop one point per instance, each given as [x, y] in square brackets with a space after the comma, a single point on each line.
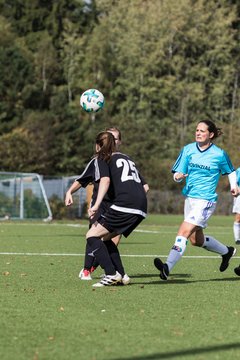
[126, 279]
[226, 258]
[109, 280]
[237, 270]
[163, 268]
[85, 274]
[237, 242]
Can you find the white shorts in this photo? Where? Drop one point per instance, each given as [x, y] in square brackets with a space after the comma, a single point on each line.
[198, 211]
[236, 205]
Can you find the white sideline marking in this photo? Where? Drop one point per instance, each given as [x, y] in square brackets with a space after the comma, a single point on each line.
[148, 231]
[142, 256]
[161, 231]
[173, 232]
[157, 231]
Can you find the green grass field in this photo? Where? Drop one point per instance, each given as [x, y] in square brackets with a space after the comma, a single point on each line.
[48, 313]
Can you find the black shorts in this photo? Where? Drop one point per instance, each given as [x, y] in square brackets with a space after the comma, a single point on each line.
[120, 222]
[104, 207]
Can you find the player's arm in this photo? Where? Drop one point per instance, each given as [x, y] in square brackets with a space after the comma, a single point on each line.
[82, 181]
[145, 185]
[180, 167]
[146, 188]
[228, 168]
[102, 190]
[73, 188]
[233, 183]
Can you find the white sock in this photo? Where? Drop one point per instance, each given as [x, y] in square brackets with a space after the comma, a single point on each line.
[236, 231]
[214, 245]
[177, 251]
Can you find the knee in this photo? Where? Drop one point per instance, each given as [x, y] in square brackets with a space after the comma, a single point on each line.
[237, 218]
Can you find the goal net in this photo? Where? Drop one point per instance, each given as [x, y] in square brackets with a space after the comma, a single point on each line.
[22, 196]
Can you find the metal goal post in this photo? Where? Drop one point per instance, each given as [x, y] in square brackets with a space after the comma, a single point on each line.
[22, 196]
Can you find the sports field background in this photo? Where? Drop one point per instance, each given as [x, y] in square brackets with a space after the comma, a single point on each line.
[48, 313]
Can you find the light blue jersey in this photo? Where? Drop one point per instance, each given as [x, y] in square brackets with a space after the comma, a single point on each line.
[203, 168]
[238, 176]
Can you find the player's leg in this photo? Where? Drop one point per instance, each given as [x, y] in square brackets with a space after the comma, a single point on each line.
[177, 250]
[125, 279]
[91, 264]
[179, 246]
[236, 228]
[214, 245]
[116, 240]
[196, 214]
[99, 250]
[236, 224]
[202, 210]
[85, 273]
[115, 256]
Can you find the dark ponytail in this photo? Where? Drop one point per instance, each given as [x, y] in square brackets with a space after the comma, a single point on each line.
[107, 145]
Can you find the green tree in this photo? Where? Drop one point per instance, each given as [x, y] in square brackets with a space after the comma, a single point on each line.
[162, 66]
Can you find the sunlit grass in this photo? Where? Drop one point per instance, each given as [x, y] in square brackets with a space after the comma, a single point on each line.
[48, 313]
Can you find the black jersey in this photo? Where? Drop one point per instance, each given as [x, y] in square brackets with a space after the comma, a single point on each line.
[88, 175]
[91, 175]
[126, 185]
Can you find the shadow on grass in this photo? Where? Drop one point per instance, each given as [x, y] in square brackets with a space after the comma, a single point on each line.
[136, 243]
[188, 352]
[178, 279]
[157, 275]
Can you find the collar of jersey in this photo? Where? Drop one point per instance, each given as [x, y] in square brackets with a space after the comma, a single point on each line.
[201, 151]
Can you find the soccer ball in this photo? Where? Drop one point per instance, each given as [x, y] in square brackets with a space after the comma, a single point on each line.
[92, 100]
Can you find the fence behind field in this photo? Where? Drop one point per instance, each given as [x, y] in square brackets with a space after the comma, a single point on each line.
[172, 202]
[31, 196]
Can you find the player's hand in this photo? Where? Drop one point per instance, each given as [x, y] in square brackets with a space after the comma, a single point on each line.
[92, 211]
[235, 191]
[68, 199]
[179, 176]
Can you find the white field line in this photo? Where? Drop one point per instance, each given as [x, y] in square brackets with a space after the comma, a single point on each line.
[86, 226]
[132, 256]
[161, 231]
[172, 232]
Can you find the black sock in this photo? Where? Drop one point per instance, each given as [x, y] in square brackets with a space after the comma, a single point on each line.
[99, 250]
[115, 256]
[89, 260]
[95, 263]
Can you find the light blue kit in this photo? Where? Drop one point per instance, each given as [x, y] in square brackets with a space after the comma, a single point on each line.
[204, 168]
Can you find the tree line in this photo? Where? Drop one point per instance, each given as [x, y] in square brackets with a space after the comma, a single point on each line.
[162, 66]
